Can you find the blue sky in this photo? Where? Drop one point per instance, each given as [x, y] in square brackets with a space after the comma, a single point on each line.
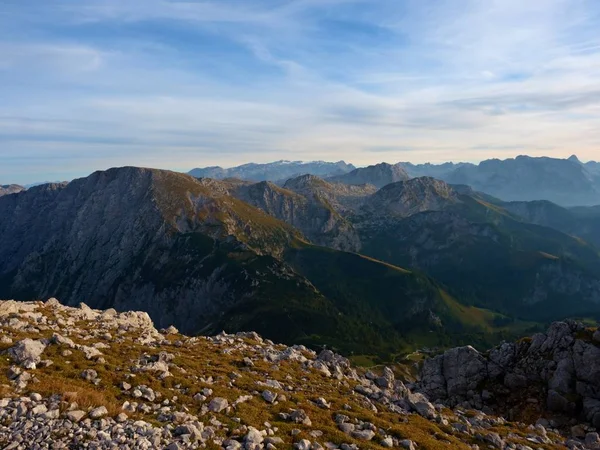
[92, 84]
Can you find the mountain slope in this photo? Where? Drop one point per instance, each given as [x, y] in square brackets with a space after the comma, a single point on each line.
[488, 256]
[275, 171]
[481, 252]
[190, 254]
[312, 214]
[583, 222]
[149, 238]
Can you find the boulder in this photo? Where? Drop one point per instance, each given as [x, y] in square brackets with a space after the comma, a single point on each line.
[27, 352]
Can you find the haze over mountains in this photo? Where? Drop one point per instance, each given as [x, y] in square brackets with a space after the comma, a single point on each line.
[370, 261]
[10, 189]
[276, 171]
[567, 182]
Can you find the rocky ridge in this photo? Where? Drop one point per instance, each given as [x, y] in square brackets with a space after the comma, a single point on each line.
[73, 377]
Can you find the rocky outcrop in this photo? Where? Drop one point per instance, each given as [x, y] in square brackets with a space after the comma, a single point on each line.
[556, 372]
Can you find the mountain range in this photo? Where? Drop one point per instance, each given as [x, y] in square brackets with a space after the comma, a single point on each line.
[367, 270]
[567, 182]
[278, 171]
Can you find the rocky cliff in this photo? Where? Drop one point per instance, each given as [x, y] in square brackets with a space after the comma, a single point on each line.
[553, 375]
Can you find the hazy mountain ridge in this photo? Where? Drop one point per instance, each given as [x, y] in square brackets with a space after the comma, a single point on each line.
[567, 182]
[378, 175]
[10, 189]
[277, 171]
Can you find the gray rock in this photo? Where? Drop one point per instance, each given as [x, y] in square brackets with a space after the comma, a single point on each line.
[592, 440]
[363, 435]
[76, 415]
[269, 396]
[346, 427]
[98, 413]
[89, 374]
[419, 403]
[27, 352]
[387, 442]
[407, 444]
[303, 444]
[218, 404]
[300, 416]
[253, 438]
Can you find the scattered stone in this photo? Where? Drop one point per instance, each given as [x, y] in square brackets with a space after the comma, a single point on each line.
[76, 415]
[99, 412]
[269, 396]
[218, 404]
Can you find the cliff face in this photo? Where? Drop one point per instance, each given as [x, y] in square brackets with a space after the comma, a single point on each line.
[308, 210]
[556, 373]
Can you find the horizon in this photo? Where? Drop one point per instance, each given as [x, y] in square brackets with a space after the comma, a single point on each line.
[186, 171]
[182, 84]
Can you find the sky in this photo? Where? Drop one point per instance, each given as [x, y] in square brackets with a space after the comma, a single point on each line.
[93, 84]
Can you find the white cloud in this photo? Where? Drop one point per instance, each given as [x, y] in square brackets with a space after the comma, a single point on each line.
[464, 79]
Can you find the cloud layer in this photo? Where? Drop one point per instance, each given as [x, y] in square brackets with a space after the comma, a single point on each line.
[179, 84]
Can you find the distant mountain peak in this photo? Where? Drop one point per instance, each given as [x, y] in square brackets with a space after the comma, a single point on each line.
[574, 158]
[303, 181]
[277, 171]
[378, 175]
[10, 189]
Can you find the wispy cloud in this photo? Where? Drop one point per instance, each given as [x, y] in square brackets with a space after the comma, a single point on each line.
[178, 84]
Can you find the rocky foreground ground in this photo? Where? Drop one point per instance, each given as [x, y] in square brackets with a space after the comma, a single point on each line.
[80, 378]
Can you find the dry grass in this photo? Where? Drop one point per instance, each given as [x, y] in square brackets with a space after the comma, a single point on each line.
[86, 396]
[203, 359]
